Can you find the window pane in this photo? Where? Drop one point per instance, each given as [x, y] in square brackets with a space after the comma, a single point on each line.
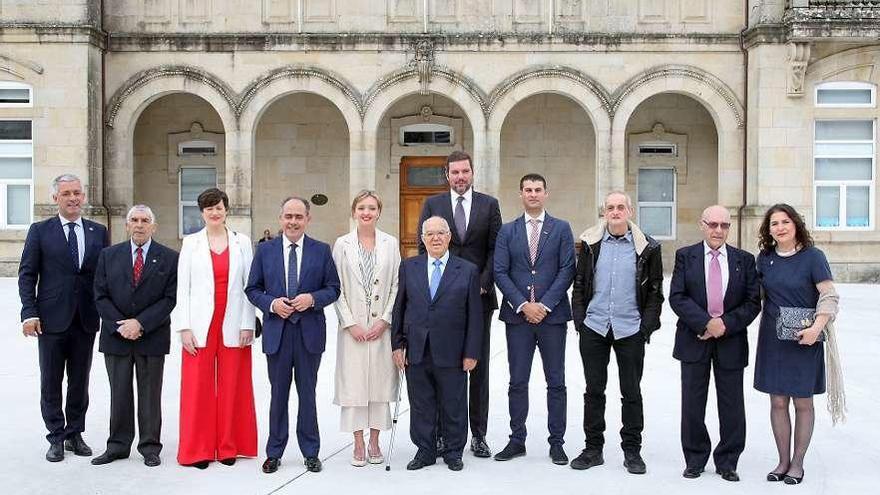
[656, 185]
[15, 129]
[195, 180]
[844, 149]
[844, 168]
[15, 168]
[828, 206]
[192, 219]
[14, 96]
[857, 206]
[844, 130]
[18, 204]
[425, 176]
[656, 220]
[844, 96]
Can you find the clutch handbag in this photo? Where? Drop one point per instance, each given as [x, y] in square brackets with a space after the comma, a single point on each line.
[793, 320]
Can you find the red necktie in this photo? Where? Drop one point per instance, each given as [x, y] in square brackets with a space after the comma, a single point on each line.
[138, 266]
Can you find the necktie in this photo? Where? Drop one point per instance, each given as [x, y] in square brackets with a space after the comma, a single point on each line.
[435, 278]
[459, 219]
[715, 297]
[292, 278]
[72, 245]
[534, 237]
[138, 269]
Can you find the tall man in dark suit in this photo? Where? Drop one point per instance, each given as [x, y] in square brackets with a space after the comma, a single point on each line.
[715, 294]
[55, 280]
[292, 279]
[476, 218]
[135, 291]
[436, 335]
[534, 266]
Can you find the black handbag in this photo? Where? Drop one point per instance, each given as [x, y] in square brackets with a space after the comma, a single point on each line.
[793, 320]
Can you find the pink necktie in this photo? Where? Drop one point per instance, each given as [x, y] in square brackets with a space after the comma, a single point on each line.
[716, 298]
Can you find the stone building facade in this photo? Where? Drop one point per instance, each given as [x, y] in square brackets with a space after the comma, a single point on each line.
[682, 103]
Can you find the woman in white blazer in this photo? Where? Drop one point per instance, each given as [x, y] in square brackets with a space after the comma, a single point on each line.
[367, 261]
[216, 324]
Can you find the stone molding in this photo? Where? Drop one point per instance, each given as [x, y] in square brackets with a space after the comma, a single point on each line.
[548, 72]
[298, 72]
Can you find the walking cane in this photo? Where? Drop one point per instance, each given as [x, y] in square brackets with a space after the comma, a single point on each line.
[394, 419]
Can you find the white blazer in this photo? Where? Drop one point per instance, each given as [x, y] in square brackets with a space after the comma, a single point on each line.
[195, 289]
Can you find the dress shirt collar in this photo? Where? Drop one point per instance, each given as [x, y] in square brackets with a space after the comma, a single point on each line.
[145, 247]
[64, 222]
[443, 259]
[468, 195]
[608, 235]
[540, 217]
[287, 242]
[722, 250]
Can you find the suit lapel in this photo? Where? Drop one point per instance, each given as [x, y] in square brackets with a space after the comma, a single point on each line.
[234, 258]
[276, 259]
[447, 213]
[697, 256]
[353, 256]
[151, 261]
[545, 228]
[476, 208]
[449, 274]
[734, 271]
[421, 264]
[56, 229]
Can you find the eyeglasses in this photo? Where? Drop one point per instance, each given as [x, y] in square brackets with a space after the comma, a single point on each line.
[715, 225]
[439, 233]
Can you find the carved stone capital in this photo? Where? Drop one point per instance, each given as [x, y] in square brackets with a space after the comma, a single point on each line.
[798, 59]
[423, 61]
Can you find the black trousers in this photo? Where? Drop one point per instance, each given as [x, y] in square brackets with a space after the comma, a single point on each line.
[437, 391]
[630, 355]
[122, 370]
[69, 351]
[478, 398]
[695, 443]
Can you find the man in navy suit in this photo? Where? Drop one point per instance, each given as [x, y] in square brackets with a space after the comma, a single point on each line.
[135, 291]
[534, 266]
[715, 294]
[476, 218]
[55, 280]
[292, 279]
[437, 329]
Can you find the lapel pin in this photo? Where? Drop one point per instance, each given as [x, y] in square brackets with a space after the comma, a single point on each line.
[154, 260]
[91, 228]
[771, 262]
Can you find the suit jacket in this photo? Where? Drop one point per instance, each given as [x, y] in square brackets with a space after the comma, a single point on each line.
[150, 302]
[453, 320]
[317, 276]
[551, 275]
[478, 246]
[688, 299]
[195, 289]
[49, 285]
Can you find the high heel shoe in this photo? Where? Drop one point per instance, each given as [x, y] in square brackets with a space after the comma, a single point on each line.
[793, 480]
[375, 457]
[228, 462]
[774, 476]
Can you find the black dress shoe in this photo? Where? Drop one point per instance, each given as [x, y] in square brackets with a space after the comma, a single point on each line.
[271, 465]
[692, 472]
[76, 445]
[479, 447]
[313, 464]
[228, 462]
[587, 459]
[107, 458]
[557, 454]
[455, 464]
[634, 463]
[510, 451]
[150, 460]
[55, 452]
[417, 463]
[728, 474]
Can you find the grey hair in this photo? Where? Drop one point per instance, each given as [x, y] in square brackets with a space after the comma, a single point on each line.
[142, 209]
[435, 217]
[629, 201]
[63, 178]
[304, 201]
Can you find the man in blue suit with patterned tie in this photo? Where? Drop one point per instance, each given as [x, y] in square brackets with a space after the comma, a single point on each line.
[293, 278]
[55, 283]
[534, 266]
[436, 333]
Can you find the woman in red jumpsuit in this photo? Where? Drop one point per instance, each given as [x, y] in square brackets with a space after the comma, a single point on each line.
[216, 326]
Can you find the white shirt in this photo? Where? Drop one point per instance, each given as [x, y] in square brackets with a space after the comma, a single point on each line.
[443, 260]
[299, 257]
[722, 260]
[540, 218]
[466, 204]
[144, 249]
[80, 236]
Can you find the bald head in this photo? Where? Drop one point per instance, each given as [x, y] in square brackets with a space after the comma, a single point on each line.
[715, 225]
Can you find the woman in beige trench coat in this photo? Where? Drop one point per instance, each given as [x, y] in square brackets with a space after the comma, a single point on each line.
[367, 261]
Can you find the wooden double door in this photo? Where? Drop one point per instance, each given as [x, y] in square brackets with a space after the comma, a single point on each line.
[420, 177]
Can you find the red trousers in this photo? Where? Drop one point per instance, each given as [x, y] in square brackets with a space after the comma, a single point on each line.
[217, 416]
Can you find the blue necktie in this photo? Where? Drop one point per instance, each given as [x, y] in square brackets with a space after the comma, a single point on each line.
[292, 284]
[72, 245]
[435, 278]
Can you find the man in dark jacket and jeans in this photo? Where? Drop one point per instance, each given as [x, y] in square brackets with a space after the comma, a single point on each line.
[616, 302]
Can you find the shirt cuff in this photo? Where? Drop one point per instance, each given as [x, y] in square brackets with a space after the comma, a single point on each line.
[32, 318]
[520, 307]
[546, 308]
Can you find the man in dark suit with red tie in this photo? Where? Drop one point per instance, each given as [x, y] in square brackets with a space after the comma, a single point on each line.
[715, 294]
[135, 291]
[55, 280]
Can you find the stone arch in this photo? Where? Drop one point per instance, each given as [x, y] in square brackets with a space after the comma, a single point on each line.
[865, 59]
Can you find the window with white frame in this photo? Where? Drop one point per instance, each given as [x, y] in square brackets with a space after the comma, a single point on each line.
[845, 95]
[16, 173]
[193, 180]
[421, 134]
[15, 94]
[656, 202]
[843, 177]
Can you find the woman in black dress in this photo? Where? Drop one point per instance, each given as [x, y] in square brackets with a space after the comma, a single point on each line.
[793, 274]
